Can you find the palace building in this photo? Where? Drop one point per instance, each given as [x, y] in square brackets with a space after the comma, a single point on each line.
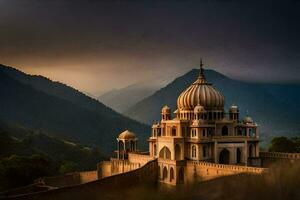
[199, 131]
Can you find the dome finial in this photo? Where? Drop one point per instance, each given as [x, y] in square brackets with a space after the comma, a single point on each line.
[201, 67]
[201, 77]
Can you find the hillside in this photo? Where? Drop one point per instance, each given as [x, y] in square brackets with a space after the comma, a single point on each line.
[27, 154]
[39, 103]
[18, 140]
[272, 106]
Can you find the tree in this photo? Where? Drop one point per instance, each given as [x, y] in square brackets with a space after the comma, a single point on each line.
[16, 171]
[283, 144]
[68, 166]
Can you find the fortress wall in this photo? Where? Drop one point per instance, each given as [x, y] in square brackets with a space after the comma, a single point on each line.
[270, 158]
[115, 166]
[103, 188]
[61, 181]
[142, 159]
[201, 171]
[69, 179]
[122, 166]
[88, 176]
[104, 169]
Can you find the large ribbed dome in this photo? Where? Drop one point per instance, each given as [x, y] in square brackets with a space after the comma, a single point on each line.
[201, 93]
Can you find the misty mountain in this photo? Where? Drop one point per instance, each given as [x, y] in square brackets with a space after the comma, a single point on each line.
[124, 98]
[41, 104]
[273, 106]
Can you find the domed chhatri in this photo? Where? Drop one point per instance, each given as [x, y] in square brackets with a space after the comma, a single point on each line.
[201, 93]
[126, 135]
[127, 142]
[248, 120]
[166, 109]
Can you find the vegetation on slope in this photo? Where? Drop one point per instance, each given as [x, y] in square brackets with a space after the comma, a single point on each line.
[26, 155]
[286, 145]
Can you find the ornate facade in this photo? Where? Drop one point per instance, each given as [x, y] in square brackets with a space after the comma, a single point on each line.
[201, 130]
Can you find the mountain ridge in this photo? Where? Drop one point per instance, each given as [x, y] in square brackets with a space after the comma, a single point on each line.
[37, 102]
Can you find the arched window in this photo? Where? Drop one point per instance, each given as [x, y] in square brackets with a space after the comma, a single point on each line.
[155, 149]
[194, 132]
[165, 153]
[224, 130]
[203, 132]
[171, 174]
[194, 151]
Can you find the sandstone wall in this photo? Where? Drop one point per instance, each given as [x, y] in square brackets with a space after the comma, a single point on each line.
[201, 171]
[104, 169]
[88, 176]
[61, 181]
[99, 189]
[139, 158]
[270, 158]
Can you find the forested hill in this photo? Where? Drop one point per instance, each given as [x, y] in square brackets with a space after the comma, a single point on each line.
[39, 103]
[27, 154]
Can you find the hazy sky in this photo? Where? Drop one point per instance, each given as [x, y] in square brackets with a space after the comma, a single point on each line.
[99, 45]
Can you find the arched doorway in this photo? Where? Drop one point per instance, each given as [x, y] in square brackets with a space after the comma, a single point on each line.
[238, 156]
[171, 174]
[165, 173]
[224, 130]
[178, 152]
[224, 157]
[165, 153]
[181, 175]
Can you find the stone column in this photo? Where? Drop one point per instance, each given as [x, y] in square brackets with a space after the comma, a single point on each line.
[256, 150]
[246, 152]
[216, 151]
[118, 150]
[124, 149]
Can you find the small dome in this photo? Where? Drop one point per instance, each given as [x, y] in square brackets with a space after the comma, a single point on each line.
[127, 135]
[199, 109]
[166, 109]
[248, 120]
[233, 109]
